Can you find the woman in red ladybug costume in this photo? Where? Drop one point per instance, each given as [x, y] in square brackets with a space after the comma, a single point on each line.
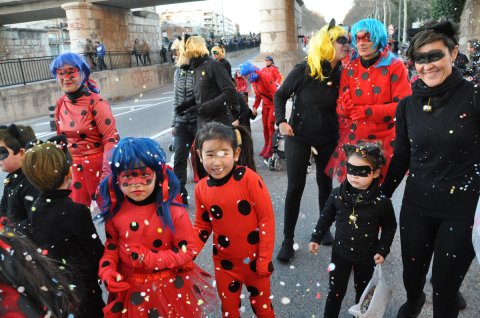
[86, 119]
[371, 85]
[265, 88]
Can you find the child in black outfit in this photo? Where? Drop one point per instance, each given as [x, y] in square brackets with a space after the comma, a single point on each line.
[63, 229]
[18, 193]
[359, 210]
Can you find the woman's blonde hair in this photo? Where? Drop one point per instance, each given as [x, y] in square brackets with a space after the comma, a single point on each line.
[220, 50]
[321, 49]
[179, 46]
[195, 46]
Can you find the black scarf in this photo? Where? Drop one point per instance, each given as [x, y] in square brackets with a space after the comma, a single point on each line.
[78, 93]
[196, 61]
[355, 197]
[420, 89]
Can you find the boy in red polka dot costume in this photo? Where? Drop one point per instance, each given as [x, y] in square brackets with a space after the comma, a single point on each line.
[234, 203]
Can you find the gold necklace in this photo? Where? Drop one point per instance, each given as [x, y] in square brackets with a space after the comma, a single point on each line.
[427, 108]
[353, 218]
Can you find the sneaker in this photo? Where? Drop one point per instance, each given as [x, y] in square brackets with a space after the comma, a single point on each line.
[462, 304]
[409, 310]
[327, 239]
[286, 252]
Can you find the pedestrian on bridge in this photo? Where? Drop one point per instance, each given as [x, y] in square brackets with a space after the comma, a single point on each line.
[313, 123]
[438, 143]
[86, 119]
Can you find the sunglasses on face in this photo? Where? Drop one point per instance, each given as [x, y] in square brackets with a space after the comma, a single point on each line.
[3, 153]
[343, 40]
[359, 171]
[429, 57]
[363, 38]
[142, 176]
[68, 72]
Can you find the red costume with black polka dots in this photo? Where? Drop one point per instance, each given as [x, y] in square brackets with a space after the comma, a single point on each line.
[16, 305]
[265, 88]
[374, 92]
[163, 282]
[239, 211]
[87, 121]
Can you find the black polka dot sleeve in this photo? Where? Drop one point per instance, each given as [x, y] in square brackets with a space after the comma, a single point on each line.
[202, 226]
[110, 256]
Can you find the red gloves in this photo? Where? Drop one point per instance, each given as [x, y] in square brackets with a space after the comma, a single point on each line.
[113, 281]
[345, 104]
[264, 269]
[358, 112]
[143, 257]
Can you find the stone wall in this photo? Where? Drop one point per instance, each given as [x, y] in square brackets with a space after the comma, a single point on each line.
[470, 22]
[20, 43]
[32, 100]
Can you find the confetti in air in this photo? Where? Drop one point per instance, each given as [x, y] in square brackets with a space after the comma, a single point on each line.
[331, 267]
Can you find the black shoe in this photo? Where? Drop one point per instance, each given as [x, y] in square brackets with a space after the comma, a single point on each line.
[184, 196]
[409, 310]
[327, 239]
[462, 304]
[286, 251]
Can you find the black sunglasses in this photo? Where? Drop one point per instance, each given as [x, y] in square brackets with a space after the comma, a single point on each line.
[3, 153]
[342, 40]
[429, 57]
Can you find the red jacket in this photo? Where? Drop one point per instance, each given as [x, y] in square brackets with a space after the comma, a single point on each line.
[264, 88]
[274, 73]
[241, 83]
[11, 304]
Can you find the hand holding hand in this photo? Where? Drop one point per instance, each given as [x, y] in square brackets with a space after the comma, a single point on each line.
[313, 248]
[357, 113]
[254, 111]
[113, 281]
[378, 259]
[285, 129]
[183, 106]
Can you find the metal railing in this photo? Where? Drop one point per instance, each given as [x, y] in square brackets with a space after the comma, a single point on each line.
[35, 69]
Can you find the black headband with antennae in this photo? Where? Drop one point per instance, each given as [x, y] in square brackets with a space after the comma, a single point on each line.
[331, 24]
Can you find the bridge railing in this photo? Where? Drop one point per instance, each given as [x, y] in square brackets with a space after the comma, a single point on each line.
[35, 69]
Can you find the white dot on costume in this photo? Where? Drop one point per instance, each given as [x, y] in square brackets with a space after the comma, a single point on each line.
[285, 300]
[331, 267]
[296, 246]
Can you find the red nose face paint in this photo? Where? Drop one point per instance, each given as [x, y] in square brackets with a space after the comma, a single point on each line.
[68, 72]
[142, 176]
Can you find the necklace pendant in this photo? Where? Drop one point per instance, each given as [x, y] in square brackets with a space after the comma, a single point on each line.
[352, 218]
[427, 108]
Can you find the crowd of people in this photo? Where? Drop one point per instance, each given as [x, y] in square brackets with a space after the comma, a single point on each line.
[355, 110]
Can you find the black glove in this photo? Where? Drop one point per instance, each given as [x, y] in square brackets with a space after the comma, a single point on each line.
[183, 106]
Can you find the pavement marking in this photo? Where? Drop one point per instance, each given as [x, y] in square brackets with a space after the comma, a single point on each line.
[163, 132]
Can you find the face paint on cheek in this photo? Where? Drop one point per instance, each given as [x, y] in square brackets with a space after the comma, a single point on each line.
[3, 153]
[136, 176]
[359, 171]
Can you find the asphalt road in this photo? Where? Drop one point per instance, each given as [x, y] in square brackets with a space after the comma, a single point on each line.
[304, 282]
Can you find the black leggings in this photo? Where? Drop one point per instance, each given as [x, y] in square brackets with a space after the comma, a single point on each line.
[184, 136]
[338, 282]
[451, 241]
[297, 155]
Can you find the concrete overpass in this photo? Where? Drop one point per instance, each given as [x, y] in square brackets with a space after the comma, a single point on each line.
[17, 11]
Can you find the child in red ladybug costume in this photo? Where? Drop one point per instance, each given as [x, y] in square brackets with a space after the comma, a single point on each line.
[147, 264]
[233, 202]
[371, 85]
[87, 121]
[265, 88]
[272, 70]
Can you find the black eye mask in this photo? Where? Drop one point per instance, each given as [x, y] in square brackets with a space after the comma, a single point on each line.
[359, 171]
[3, 153]
[429, 57]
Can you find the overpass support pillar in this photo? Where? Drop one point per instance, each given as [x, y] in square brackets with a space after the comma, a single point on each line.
[279, 22]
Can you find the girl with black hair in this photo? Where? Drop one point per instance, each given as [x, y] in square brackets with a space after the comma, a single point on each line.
[359, 210]
[31, 285]
[147, 264]
[234, 203]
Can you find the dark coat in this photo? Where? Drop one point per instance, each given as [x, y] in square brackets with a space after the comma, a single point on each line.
[183, 81]
[214, 92]
[358, 241]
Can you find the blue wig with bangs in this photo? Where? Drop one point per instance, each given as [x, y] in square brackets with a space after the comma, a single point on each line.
[249, 69]
[378, 35]
[132, 153]
[77, 61]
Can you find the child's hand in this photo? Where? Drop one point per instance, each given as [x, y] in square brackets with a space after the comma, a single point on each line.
[378, 259]
[264, 269]
[113, 281]
[313, 248]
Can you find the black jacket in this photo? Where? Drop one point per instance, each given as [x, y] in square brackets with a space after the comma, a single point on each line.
[183, 80]
[373, 211]
[314, 117]
[66, 230]
[227, 66]
[16, 204]
[214, 92]
[441, 149]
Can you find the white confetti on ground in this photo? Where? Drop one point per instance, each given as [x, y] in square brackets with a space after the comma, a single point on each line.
[296, 247]
[285, 300]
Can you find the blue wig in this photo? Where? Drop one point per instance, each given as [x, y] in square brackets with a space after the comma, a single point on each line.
[132, 153]
[77, 61]
[249, 69]
[378, 35]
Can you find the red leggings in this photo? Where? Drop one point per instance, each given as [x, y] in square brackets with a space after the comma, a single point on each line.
[229, 287]
[268, 120]
[87, 171]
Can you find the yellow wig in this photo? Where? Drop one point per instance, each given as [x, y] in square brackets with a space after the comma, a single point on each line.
[195, 47]
[321, 49]
[220, 50]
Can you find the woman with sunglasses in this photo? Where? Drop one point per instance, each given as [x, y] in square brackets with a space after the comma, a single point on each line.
[85, 118]
[438, 142]
[313, 123]
[371, 85]
[218, 53]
